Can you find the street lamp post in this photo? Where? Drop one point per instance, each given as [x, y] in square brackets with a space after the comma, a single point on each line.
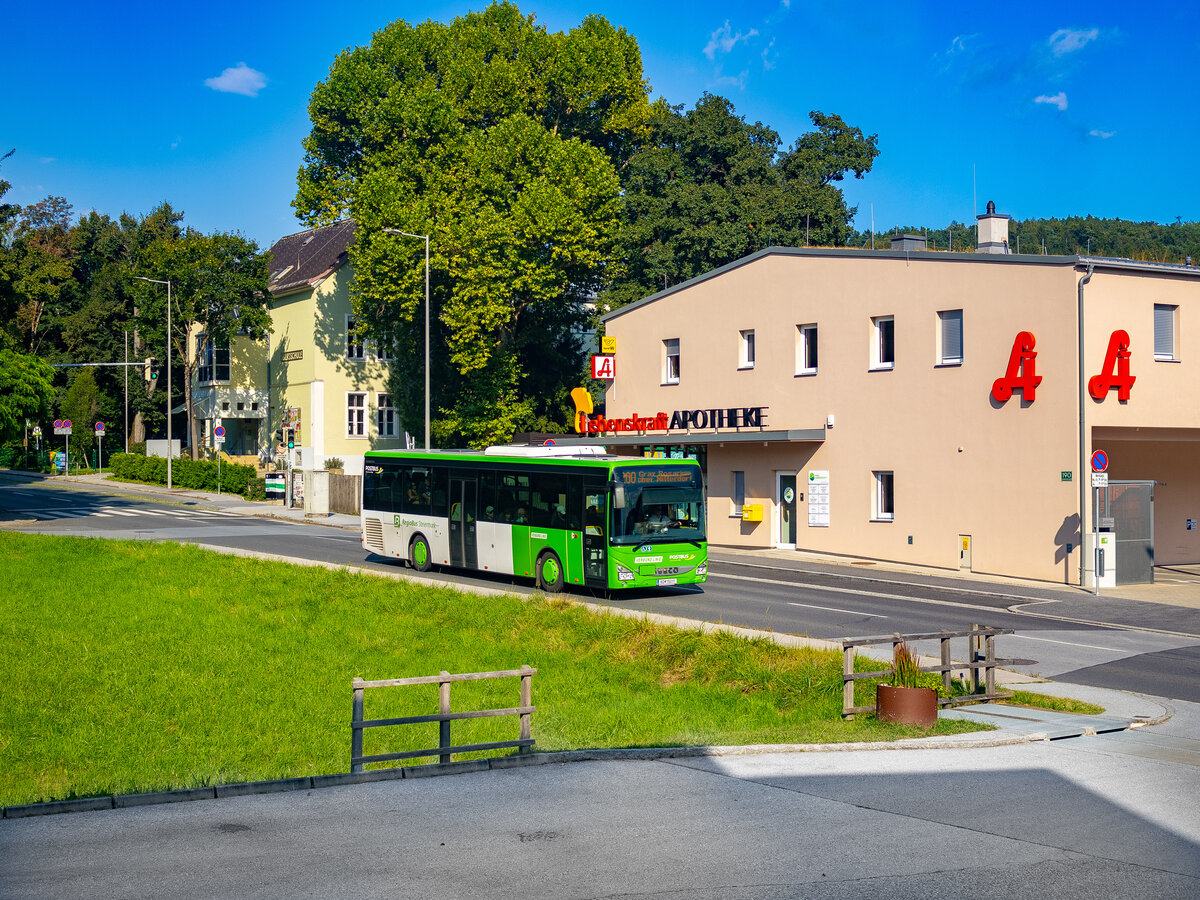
[169, 444]
[425, 238]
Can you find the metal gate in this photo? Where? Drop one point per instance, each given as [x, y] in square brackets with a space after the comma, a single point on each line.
[1130, 505]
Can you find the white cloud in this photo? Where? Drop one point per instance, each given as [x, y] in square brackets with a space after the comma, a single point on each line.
[768, 56]
[733, 81]
[1059, 100]
[240, 79]
[724, 40]
[1068, 40]
[1103, 135]
[46, 160]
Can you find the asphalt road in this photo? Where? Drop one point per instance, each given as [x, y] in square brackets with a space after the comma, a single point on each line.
[1059, 634]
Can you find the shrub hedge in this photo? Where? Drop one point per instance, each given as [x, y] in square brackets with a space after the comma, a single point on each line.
[196, 474]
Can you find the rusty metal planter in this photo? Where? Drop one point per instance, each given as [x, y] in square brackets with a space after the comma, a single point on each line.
[906, 705]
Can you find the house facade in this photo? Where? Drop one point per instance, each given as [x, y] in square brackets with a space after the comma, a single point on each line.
[927, 407]
[314, 379]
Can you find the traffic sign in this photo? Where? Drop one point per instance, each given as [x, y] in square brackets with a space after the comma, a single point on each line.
[219, 431]
[1099, 461]
[1099, 479]
[100, 429]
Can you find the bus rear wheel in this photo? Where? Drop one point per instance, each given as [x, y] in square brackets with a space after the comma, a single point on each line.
[549, 573]
[419, 554]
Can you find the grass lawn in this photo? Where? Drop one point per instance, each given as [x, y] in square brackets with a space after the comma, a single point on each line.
[136, 666]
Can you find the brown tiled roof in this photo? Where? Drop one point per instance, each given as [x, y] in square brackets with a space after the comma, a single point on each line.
[307, 258]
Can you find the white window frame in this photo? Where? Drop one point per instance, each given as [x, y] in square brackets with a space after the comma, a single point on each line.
[355, 347]
[807, 355]
[746, 349]
[1166, 325]
[880, 326]
[883, 496]
[356, 415]
[670, 370]
[737, 493]
[385, 414]
[949, 321]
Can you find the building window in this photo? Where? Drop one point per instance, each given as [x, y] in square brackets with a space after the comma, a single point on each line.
[806, 349]
[382, 352]
[883, 349]
[1166, 318]
[950, 337]
[671, 361]
[385, 416]
[884, 504]
[746, 349]
[354, 341]
[737, 494]
[213, 361]
[356, 414]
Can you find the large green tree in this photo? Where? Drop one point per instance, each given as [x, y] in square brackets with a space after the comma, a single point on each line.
[26, 390]
[708, 188]
[503, 143]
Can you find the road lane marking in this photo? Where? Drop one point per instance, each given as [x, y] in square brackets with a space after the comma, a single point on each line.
[851, 612]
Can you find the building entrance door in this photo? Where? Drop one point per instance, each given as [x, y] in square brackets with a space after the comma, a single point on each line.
[785, 503]
[1130, 505]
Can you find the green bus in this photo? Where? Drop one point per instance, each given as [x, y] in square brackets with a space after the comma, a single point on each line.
[559, 515]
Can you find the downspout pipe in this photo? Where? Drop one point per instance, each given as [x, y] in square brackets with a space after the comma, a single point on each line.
[1084, 481]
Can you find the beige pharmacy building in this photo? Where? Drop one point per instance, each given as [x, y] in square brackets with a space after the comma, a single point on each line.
[928, 407]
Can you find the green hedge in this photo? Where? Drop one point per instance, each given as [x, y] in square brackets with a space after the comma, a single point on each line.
[196, 474]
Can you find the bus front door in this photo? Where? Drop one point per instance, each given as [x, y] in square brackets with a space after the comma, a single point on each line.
[464, 494]
[595, 533]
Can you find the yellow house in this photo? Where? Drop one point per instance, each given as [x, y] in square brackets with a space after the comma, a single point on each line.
[326, 384]
[229, 390]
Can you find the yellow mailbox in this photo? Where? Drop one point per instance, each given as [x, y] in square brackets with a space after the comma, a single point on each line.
[752, 512]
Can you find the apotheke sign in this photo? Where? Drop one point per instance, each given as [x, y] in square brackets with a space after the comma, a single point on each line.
[679, 420]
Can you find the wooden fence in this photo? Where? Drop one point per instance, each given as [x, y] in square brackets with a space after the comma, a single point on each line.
[443, 717]
[344, 493]
[981, 655]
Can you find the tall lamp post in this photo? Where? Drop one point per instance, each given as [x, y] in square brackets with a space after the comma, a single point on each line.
[425, 238]
[169, 445]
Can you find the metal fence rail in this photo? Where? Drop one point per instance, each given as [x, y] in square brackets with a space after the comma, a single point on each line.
[981, 655]
[445, 749]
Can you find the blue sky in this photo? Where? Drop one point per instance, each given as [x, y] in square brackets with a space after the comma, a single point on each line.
[1048, 109]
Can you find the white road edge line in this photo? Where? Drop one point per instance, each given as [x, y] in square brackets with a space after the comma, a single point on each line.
[850, 612]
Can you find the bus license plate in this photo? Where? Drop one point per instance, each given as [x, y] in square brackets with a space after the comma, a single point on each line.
[663, 582]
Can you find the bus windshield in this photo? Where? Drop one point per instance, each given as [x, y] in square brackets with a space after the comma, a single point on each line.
[662, 504]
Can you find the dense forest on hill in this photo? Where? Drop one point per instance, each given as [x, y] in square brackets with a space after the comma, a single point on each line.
[1075, 235]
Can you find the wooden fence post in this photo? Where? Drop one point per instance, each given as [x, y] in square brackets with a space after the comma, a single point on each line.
[946, 680]
[989, 673]
[847, 682]
[526, 701]
[356, 729]
[444, 709]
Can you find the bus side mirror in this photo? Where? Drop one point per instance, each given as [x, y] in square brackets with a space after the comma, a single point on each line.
[618, 496]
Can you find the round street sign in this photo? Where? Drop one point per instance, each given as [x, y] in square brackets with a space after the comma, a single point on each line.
[219, 431]
[58, 423]
[99, 428]
[1099, 461]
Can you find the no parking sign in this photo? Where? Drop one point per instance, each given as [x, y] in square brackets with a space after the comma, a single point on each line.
[219, 434]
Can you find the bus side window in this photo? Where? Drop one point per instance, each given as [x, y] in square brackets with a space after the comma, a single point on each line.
[488, 511]
[438, 491]
[594, 501]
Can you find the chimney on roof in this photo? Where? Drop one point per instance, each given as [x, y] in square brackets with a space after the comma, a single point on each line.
[908, 242]
[992, 231]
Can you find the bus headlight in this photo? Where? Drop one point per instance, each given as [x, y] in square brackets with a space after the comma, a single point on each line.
[624, 574]
[702, 569]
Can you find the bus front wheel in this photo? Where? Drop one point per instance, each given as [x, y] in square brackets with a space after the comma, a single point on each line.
[549, 573]
[419, 555]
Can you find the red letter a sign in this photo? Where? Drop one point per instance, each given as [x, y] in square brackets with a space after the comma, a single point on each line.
[1022, 371]
[1115, 373]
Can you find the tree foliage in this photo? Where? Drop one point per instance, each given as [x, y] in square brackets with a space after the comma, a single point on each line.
[708, 188]
[502, 142]
[26, 386]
